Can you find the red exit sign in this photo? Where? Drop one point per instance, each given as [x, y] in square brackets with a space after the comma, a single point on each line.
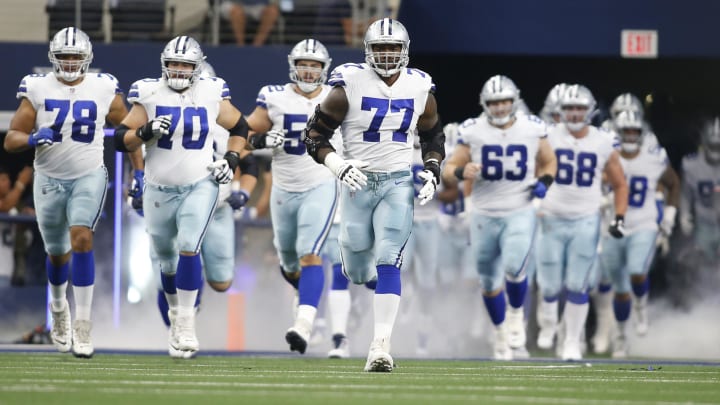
[639, 44]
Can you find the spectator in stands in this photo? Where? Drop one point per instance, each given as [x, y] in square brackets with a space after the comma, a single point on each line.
[264, 11]
[10, 195]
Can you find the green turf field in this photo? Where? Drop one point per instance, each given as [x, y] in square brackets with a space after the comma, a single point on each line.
[50, 378]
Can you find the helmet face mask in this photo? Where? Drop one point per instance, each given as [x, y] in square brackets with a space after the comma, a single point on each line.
[309, 63]
[626, 102]
[629, 126]
[70, 54]
[387, 47]
[182, 50]
[499, 99]
[578, 107]
[710, 140]
[551, 111]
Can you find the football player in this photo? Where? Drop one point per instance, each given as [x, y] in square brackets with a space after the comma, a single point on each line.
[627, 260]
[498, 153]
[379, 105]
[304, 195]
[62, 115]
[570, 221]
[700, 205]
[172, 116]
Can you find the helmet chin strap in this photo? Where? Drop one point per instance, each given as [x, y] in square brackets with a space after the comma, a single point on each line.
[575, 126]
[630, 147]
[499, 121]
[307, 87]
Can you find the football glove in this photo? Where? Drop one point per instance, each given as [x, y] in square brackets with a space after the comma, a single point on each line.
[430, 178]
[668, 220]
[617, 227]
[220, 169]
[348, 171]
[136, 191]
[271, 139]
[540, 188]
[155, 128]
[238, 199]
[41, 137]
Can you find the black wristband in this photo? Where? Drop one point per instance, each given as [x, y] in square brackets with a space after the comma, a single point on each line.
[459, 172]
[620, 218]
[546, 179]
[145, 132]
[433, 166]
[233, 159]
[257, 140]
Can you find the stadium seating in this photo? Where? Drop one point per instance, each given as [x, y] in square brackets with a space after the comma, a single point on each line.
[61, 14]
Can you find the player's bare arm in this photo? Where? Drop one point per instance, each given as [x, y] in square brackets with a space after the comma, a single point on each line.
[546, 160]
[127, 130]
[459, 164]
[671, 182]
[21, 126]
[118, 110]
[616, 178]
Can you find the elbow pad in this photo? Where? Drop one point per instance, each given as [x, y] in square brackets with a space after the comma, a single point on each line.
[119, 138]
[433, 140]
[241, 128]
[325, 126]
[248, 165]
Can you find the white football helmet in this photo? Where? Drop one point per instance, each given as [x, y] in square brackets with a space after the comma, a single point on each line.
[182, 49]
[710, 140]
[309, 49]
[499, 88]
[551, 111]
[577, 95]
[629, 127]
[70, 41]
[207, 70]
[387, 31]
[626, 102]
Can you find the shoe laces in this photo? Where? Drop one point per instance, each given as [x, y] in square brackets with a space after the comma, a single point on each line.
[82, 331]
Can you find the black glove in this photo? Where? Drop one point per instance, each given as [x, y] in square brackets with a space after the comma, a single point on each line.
[155, 128]
[617, 227]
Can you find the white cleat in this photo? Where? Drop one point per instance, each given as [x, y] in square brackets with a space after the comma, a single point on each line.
[545, 339]
[298, 336]
[571, 351]
[379, 359]
[501, 346]
[61, 332]
[183, 343]
[82, 344]
[640, 315]
[601, 338]
[340, 348]
[620, 347]
[515, 327]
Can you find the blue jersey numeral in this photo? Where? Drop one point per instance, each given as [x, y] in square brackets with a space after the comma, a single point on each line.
[84, 114]
[584, 175]
[492, 166]
[638, 186]
[381, 107]
[292, 144]
[191, 116]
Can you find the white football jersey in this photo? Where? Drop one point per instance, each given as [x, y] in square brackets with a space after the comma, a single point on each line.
[77, 114]
[507, 157]
[576, 191]
[381, 119]
[701, 189]
[293, 169]
[220, 138]
[183, 156]
[643, 173]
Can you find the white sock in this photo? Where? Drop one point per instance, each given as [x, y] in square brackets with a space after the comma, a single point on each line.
[172, 300]
[57, 296]
[83, 301]
[339, 307]
[574, 317]
[386, 308]
[306, 313]
[186, 302]
[547, 314]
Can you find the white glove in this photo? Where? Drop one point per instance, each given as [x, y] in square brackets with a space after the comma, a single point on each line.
[275, 138]
[427, 192]
[668, 220]
[220, 169]
[348, 171]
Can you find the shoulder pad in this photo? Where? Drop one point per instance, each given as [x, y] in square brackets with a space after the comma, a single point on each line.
[342, 72]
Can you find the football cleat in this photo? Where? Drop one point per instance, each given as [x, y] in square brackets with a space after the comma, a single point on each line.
[183, 343]
[501, 346]
[340, 348]
[571, 351]
[601, 338]
[379, 359]
[82, 344]
[61, 332]
[298, 335]
[515, 327]
[620, 346]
